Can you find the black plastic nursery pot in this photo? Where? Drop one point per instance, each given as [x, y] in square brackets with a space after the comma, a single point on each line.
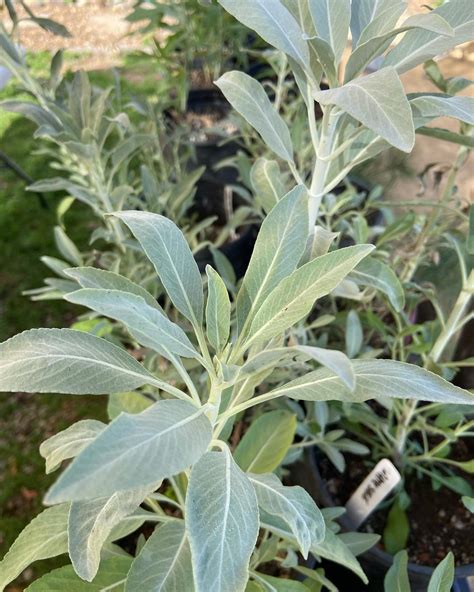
[211, 136]
[374, 562]
[238, 252]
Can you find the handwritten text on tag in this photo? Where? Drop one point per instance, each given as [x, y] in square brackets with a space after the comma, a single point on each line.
[373, 489]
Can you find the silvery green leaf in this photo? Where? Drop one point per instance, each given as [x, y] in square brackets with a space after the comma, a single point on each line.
[249, 98]
[385, 22]
[443, 576]
[267, 183]
[136, 451]
[365, 12]
[277, 252]
[90, 524]
[66, 247]
[375, 46]
[111, 550]
[217, 310]
[79, 99]
[167, 249]
[426, 107]
[331, 548]
[222, 523]
[322, 241]
[111, 576]
[69, 362]
[10, 49]
[274, 23]
[294, 296]
[61, 184]
[354, 334]
[267, 358]
[417, 47]
[331, 20]
[359, 542]
[70, 442]
[335, 360]
[300, 9]
[44, 537]
[35, 113]
[125, 149]
[396, 579]
[130, 524]
[224, 267]
[322, 53]
[321, 56]
[375, 378]
[164, 563]
[294, 506]
[57, 288]
[379, 102]
[446, 135]
[132, 402]
[146, 324]
[266, 442]
[376, 274]
[366, 146]
[57, 265]
[90, 277]
[334, 549]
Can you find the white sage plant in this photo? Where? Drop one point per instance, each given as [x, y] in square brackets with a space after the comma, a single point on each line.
[363, 114]
[181, 438]
[168, 459]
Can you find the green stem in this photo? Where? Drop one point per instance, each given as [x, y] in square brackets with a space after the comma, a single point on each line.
[207, 360]
[454, 320]
[178, 492]
[404, 429]
[154, 506]
[412, 264]
[248, 404]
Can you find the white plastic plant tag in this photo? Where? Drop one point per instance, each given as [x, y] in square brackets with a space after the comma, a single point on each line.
[373, 489]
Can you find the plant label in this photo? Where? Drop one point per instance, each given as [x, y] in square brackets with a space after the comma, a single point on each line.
[373, 490]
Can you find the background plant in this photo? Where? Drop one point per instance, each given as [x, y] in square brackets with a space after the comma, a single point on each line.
[199, 42]
[108, 160]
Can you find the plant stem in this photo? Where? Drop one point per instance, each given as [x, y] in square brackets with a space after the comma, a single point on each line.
[453, 322]
[214, 400]
[413, 262]
[404, 429]
[280, 83]
[178, 492]
[207, 360]
[313, 128]
[321, 167]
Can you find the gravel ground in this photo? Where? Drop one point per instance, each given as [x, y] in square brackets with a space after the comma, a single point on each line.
[99, 32]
